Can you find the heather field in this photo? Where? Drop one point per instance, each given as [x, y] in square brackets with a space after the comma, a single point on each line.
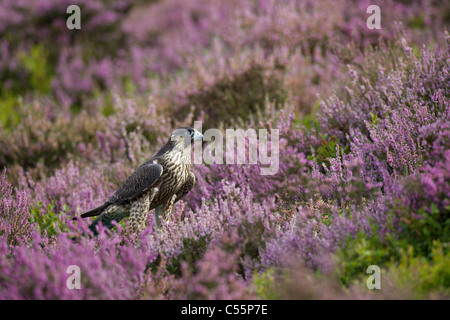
[363, 117]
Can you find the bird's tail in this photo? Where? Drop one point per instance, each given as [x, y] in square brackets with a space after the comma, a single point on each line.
[107, 219]
[94, 212]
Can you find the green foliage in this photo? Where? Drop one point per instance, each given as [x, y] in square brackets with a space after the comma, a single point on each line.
[310, 122]
[9, 115]
[39, 69]
[420, 233]
[418, 22]
[420, 230]
[375, 120]
[325, 151]
[49, 222]
[130, 86]
[363, 251]
[265, 285]
[107, 108]
[422, 276]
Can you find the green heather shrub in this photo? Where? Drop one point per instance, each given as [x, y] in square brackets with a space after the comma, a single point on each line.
[424, 277]
[37, 66]
[420, 231]
[47, 221]
[266, 286]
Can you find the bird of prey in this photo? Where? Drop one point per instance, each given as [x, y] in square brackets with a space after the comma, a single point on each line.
[156, 184]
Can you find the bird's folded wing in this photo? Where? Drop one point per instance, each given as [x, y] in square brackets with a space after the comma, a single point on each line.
[143, 178]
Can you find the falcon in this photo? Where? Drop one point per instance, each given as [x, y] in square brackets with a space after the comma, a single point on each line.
[156, 184]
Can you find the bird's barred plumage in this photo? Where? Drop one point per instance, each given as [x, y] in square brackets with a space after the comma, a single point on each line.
[156, 184]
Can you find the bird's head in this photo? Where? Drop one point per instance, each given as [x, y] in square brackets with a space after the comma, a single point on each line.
[185, 136]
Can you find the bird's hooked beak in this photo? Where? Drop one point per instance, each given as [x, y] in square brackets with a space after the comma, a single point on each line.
[197, 136]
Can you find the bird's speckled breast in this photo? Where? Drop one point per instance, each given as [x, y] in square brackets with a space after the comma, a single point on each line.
[173, 177]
